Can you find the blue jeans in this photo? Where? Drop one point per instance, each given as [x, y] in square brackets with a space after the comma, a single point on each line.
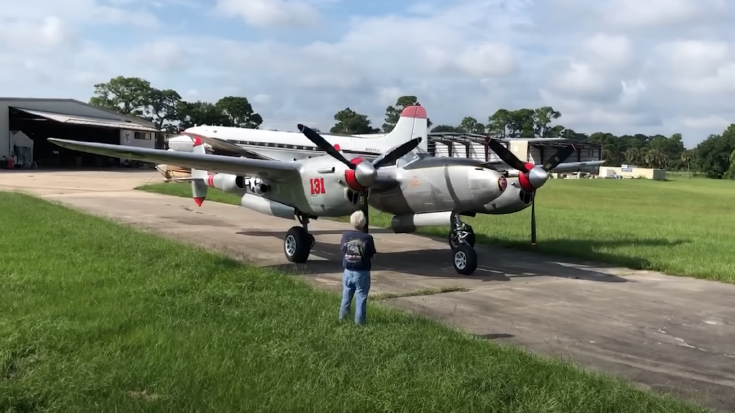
[355, 281]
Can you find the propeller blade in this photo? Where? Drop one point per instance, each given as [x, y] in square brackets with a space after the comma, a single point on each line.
[322, 143]
[533, 220]
[507, 156]
[560, 156]
[397, 152]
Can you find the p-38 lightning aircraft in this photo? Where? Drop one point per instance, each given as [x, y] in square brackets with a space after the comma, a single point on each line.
[524, 178]
[417, 193]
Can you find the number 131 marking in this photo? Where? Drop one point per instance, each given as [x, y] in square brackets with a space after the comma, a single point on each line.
[317, 186]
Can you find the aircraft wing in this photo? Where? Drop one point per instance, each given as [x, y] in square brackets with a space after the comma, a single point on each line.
[223, 145]
[275, 170]
[573, 166]
[501, 166]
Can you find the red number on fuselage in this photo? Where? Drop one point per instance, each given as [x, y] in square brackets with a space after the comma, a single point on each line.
[317, 186]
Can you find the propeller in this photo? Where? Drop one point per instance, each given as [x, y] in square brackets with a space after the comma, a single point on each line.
[530, 176]
[361, 175]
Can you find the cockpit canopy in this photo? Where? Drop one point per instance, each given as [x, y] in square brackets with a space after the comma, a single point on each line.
[413, 156]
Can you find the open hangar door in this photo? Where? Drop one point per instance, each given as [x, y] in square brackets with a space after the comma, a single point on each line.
[40, 125]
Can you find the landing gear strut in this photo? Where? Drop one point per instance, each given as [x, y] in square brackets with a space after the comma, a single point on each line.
[462, 242]
[298, 242]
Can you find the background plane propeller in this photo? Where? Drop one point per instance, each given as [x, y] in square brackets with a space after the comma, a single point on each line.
[530, 176]
[361, 174]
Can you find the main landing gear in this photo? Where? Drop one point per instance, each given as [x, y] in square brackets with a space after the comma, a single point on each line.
[462, 243]
[298, 242]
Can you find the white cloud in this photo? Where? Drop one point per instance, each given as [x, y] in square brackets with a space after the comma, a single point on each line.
[695, 57]
[635, 14]
[608, 52]
[617, 65]
[271, 13]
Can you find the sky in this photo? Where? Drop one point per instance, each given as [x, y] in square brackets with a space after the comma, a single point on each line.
[619, 66]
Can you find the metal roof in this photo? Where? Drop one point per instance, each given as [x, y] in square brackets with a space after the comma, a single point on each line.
[13, 101]
[87, 120]
[461, 137]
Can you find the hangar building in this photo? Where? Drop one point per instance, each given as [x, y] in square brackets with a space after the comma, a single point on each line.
[25, 123]
[536, 150]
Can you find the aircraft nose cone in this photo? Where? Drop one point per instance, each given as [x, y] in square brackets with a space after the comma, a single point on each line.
[537, 177]
[365, 174]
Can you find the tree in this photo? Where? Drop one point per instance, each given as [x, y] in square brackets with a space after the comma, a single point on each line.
[445, 129]
[713, 154]
[240, 112]
[498, 123]
[350, 122]
[687, 157]
[542, 118]
[471, 125]
[730, 174]
[393, 113]
[126, 95]
[633, 156]
[162, 108]
[201, 113]
[521, 123]
[656, 159]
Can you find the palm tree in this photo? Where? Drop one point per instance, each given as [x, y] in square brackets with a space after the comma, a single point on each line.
[632, 156]
[688, 156]
[656, 159]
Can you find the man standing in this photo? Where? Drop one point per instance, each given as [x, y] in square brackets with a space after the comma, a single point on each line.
[358, 248]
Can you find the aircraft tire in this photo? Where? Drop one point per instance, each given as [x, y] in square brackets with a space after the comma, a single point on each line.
[297, 245]
[465, 259]
[470, 239]
[312, 241]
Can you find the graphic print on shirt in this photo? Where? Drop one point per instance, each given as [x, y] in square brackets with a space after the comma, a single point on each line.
[354, 250]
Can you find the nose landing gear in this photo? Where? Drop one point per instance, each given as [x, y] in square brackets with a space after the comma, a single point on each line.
[462, 242]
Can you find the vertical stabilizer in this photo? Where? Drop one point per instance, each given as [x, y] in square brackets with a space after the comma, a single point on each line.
[413, 123]
[199, 177]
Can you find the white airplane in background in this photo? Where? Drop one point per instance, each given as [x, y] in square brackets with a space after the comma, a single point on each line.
[290, 146]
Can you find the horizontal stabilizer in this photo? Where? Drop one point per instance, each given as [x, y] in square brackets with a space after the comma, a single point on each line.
[199, 180]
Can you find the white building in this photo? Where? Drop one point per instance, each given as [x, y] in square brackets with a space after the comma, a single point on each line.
[39, 119]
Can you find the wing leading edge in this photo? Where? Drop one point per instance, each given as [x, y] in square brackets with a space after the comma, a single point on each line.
[275, 170]
[562, 167]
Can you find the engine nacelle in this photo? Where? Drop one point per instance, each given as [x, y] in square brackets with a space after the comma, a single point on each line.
[229, 183]
[256, 186]
[409, 223]
[240, 185]
[267, 206]
[512, 200]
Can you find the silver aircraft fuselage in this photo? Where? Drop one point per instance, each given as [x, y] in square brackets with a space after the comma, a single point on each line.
[438, 184]
[420, 187]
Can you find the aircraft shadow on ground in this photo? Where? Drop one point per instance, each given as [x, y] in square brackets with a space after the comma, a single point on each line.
[495, 264]
[589, 250]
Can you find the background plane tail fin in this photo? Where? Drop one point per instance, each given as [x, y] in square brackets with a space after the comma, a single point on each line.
[413, 123]
[199, 177]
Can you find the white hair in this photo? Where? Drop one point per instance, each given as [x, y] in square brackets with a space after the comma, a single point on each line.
[357, 219]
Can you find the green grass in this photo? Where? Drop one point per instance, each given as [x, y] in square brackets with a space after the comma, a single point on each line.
[681, 227]
[97, 317]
